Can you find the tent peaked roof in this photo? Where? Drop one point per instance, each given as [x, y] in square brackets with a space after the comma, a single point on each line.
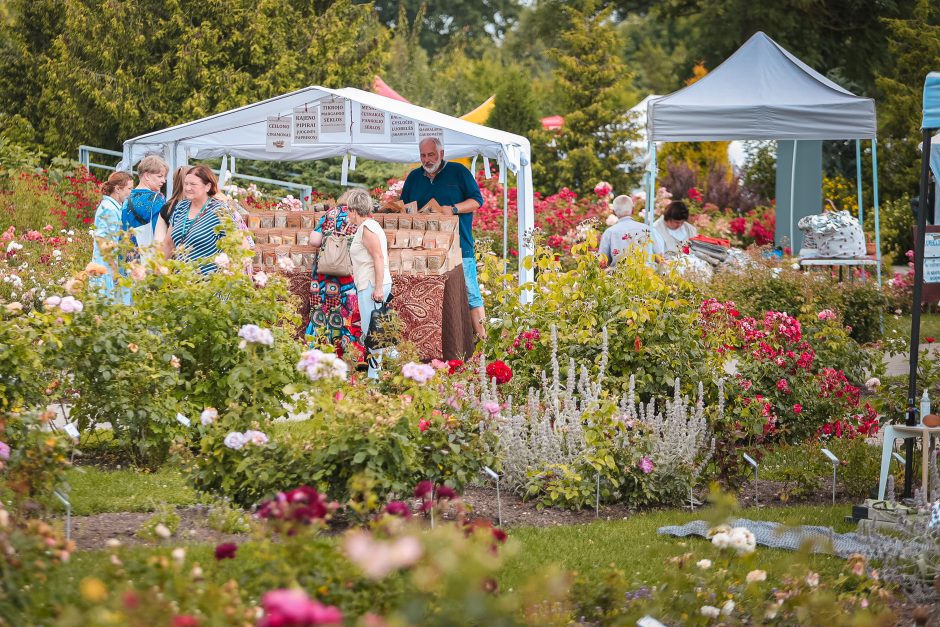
[241, 132]
[761, 92]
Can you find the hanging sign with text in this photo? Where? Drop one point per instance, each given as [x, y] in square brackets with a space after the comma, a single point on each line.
[426, 130]
[333, 117]
[403, 130]
[305, 126]
[277, 136]
[371, 120]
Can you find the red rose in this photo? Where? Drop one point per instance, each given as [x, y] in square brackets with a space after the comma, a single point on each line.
[225, 551]
[423, 425]
[500, 371]
[930, 340]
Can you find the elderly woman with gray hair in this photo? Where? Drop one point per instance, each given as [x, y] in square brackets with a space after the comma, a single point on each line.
[369, 254]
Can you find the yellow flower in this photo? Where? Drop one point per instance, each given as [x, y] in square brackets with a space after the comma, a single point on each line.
[94, 590]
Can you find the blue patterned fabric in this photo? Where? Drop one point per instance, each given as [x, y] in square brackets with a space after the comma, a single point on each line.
[147, 204]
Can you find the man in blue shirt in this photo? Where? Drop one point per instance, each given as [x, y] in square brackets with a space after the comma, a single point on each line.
[454, 188]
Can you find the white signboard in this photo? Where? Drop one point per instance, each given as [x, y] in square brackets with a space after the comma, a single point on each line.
[277, 138]
[333, 117]
[932, 270]
[931, 245]
[305, 126]
[403, 130]
[426, 130]
[371, 120]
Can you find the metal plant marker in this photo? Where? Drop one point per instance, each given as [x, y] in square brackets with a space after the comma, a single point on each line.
[499, 504]
[750, 460]
[68, 513]
[835, 467]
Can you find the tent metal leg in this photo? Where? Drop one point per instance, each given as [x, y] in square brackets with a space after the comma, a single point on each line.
[874, 184]
[792, 190]
[858, 181]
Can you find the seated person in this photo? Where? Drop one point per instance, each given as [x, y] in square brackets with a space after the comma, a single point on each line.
[673, 226]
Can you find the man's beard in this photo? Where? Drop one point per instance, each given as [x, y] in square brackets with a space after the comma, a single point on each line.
[434, 168]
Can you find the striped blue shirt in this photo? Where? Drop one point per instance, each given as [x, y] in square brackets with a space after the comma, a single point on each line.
[197, 240]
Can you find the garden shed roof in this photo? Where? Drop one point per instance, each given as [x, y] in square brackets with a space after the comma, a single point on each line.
[761, 92]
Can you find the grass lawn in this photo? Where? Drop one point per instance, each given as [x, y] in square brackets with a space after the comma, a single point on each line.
[95, 491]
[929, 325]
[634, 547]
[631, 545]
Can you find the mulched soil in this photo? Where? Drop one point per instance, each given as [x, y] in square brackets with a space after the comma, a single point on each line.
[93, 532]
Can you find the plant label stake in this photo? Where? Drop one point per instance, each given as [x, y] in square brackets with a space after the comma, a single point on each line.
[499, 505]
[753, 464]
[597, 501]
[835, 466]
[900, 459]
[68, 513]
[649, 621]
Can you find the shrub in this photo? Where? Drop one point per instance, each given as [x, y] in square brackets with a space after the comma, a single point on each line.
[651, 321]
[570, 445]
[354, 434]
[897, 222]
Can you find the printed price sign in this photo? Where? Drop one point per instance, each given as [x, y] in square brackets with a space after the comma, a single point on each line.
[403, 130]
[932, 270]
[333, 117]
[305, 126]
[72, 431]
[277, 137]
[931, 245]
[371, 120]
[426, 130]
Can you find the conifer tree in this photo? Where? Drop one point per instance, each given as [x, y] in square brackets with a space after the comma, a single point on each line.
[914, 45]
[593, 88]
[514, 109]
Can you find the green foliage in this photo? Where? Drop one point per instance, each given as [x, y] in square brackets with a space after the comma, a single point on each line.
[592, 82]
[22, 380]
[897, 223]
[353, 437]
[652, 321]
[436, 24]
[914, 44]
[194, 60]
[163, 524]
[760, 170]
[37, 458]
[772, 287]
[227, 519]
[803, 467]
[515, 109]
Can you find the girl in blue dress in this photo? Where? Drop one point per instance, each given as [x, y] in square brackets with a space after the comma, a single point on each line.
[108, 228]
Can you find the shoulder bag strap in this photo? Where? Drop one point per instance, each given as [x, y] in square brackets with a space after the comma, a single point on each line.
[130, 206]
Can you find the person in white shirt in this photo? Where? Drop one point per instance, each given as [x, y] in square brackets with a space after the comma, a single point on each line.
[619, 238]
[673, 226]
[369, 254]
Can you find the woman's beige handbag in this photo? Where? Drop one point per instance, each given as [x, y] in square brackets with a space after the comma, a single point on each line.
[334, 259]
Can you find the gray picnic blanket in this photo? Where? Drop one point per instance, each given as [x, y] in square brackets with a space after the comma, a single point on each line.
[778, 536]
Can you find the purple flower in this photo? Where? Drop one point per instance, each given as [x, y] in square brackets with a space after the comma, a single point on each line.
[419, 373]
[235, 440]
[4, 450]
[646, 465]
[253, 334]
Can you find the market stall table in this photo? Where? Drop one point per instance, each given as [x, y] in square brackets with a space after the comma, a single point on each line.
[895, 432]
[821, 262]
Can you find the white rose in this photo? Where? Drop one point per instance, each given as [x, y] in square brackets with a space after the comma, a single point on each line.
[727, 608]
[704, 564]
[710, 611]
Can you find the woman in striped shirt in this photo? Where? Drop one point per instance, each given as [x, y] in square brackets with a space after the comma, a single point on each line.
[194, 225]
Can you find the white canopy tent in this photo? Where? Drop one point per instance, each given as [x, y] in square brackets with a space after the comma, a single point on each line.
[346, 123]
[763, 92]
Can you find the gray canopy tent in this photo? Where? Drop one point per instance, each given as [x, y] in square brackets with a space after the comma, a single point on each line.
[762, 92]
